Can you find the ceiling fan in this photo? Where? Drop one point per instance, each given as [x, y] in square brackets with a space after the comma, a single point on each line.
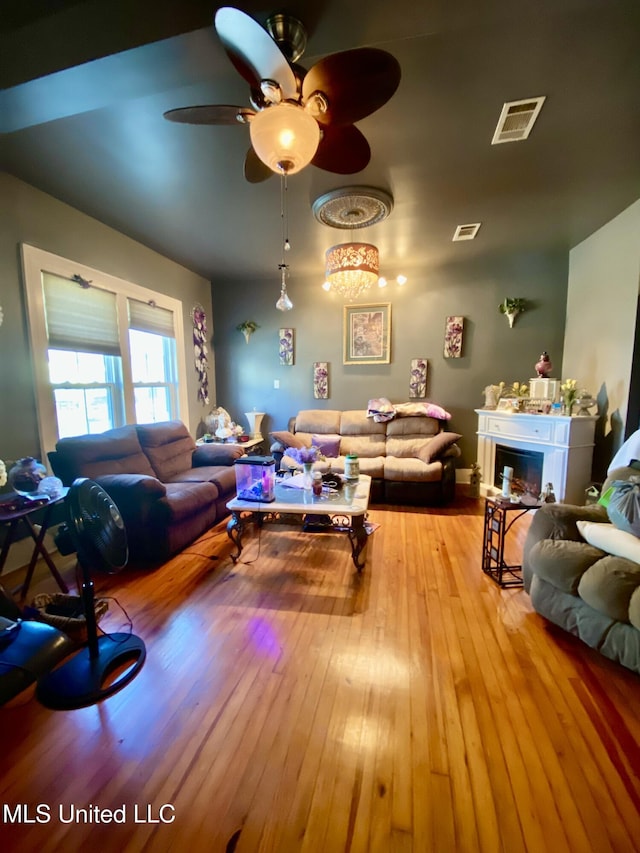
[297, 117]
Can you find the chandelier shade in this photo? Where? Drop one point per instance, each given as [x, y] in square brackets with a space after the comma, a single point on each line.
[352, 268]
[285, 137]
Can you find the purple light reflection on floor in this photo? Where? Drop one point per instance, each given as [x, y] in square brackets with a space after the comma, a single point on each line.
[263, 638]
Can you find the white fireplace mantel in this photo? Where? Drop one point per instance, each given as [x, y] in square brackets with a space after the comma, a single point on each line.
[566, 442]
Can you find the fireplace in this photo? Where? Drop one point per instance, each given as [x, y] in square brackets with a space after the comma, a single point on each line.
[564, 443]
[527, 468]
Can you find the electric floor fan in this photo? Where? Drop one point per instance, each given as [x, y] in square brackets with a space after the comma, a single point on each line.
[110, 661]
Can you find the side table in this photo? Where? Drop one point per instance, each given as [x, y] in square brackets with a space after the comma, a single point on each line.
[499, 516]
[12, 512]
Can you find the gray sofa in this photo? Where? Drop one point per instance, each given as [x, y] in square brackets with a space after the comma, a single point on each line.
[589, 592]
[393, 453]
[168, 491]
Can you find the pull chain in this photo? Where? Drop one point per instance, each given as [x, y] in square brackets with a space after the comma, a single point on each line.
[284, 303]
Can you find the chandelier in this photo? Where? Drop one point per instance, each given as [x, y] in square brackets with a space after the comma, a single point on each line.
[351, 268]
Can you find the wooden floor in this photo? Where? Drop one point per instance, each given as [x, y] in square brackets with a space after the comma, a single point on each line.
[290, 704]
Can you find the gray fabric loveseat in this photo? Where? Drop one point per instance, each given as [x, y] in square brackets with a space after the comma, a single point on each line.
[168, 491]
[587, 589]
[411, 460]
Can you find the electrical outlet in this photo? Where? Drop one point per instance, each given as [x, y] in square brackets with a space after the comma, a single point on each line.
[276, 383]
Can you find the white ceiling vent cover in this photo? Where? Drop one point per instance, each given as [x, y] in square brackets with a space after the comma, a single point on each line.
[516, 120]
[466, 232]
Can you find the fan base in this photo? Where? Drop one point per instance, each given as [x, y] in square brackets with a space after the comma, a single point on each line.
[81, 680]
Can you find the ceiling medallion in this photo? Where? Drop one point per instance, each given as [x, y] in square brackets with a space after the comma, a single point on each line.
[352, 207]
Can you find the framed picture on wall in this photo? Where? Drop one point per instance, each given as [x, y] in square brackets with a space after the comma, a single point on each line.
[367, 334]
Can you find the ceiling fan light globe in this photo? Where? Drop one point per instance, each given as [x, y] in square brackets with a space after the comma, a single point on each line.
[285, 137]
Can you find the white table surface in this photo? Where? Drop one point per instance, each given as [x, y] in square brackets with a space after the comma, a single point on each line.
[303, 501]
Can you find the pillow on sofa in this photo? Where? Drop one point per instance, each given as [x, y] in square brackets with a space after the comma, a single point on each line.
[608, 538]
[288, 439]
[429, 410]
[328, 445]
[438, 444]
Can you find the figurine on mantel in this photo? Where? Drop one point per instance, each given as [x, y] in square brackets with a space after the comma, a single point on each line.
[543, 366]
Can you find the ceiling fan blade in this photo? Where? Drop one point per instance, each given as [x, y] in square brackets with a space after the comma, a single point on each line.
[255, 171]
[343, 149]
[210, 114]
[253, 52]
[356, 83]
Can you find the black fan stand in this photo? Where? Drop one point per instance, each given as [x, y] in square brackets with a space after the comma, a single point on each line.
[85, 678]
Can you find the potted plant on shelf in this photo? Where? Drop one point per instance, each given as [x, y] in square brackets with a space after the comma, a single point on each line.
[247, 327]
[511, 308]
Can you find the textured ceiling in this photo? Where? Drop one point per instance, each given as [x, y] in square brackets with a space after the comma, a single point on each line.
[85, 83]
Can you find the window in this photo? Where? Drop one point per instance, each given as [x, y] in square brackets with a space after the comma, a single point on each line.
[106, 352]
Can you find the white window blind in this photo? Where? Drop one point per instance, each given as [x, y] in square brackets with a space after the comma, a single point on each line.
[149, 317]
[80, 318]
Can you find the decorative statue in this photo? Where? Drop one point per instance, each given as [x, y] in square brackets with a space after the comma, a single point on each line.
[544, 367]
[491, 396]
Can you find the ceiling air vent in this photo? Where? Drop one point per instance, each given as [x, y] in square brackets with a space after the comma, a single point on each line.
[466, 232]
[516, 120]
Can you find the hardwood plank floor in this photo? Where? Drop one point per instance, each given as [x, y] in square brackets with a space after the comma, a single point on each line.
[289, 704]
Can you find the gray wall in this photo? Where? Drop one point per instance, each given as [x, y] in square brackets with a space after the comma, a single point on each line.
[30, 216]
[492, 351]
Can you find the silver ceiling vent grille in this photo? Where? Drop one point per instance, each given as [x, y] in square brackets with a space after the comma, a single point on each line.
[466, 232]
[516, 120]
[352, 207]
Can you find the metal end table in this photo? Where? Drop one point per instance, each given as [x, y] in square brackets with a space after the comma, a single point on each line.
[499, 517]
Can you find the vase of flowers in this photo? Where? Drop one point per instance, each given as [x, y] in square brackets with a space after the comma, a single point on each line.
[569, 395]
[305, 456]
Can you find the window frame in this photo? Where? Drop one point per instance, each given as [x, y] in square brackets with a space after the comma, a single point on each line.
[34, 263]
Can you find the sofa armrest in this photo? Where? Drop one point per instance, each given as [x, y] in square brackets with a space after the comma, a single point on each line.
[557, 521]
[211, 454]
[142, 485]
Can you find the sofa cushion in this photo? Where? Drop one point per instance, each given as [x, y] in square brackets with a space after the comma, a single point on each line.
[437, 446]
[222, 477]
[634, 608]
[169, 447]
[424, 427]
[116, 451]
[355, 422]
[608, 585]
[562, 562]
[183, 501]
[318, 420]
[411, 470]
[608, 538]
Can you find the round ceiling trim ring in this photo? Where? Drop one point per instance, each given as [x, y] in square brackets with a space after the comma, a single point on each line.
[352, 207]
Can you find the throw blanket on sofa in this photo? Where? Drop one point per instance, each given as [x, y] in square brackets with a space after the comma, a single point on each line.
[382, 410]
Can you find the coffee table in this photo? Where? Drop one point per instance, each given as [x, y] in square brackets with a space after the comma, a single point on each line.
[334, 511]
